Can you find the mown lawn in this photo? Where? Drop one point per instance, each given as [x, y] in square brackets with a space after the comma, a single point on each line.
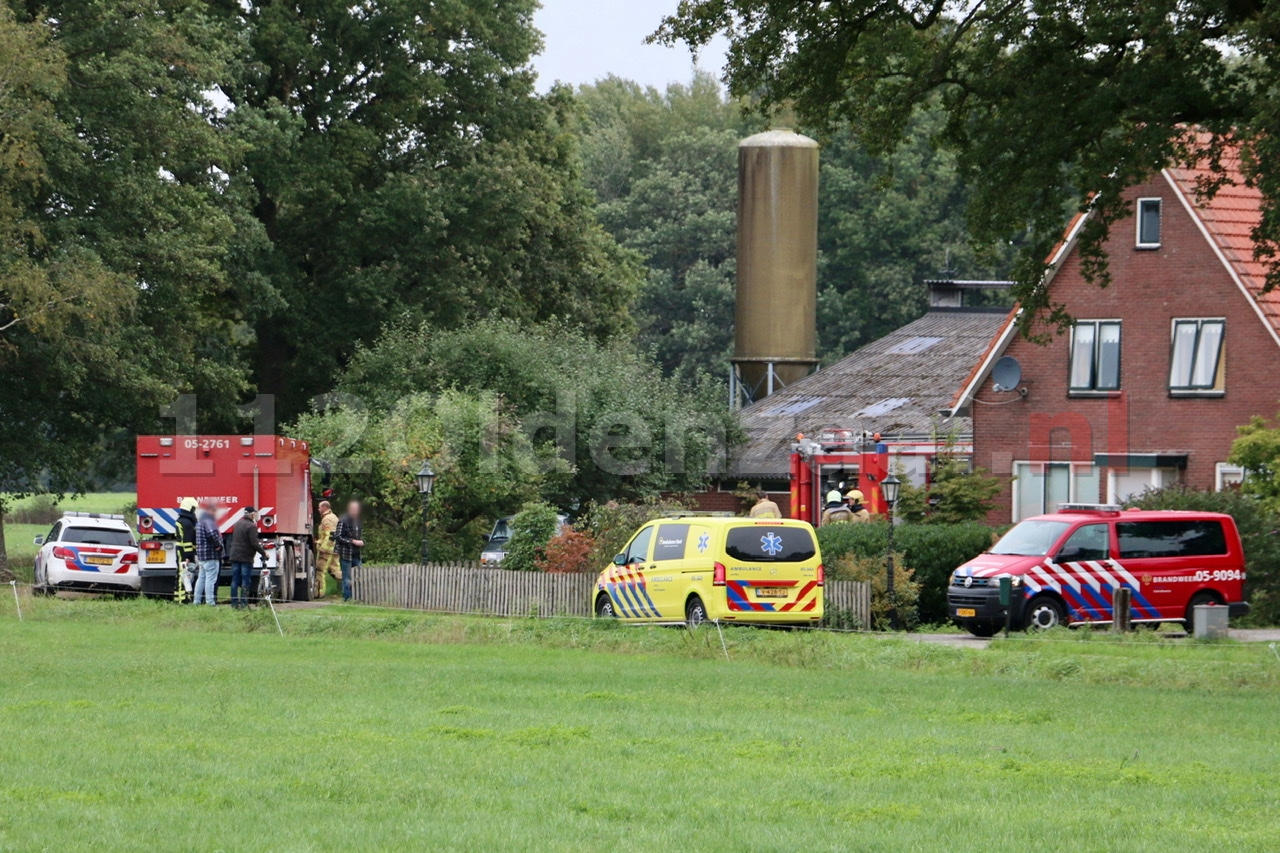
[137, 725]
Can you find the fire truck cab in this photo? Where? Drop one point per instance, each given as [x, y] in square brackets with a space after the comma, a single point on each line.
[269, 472]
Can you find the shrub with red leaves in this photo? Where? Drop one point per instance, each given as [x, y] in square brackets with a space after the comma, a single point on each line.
[569, 551]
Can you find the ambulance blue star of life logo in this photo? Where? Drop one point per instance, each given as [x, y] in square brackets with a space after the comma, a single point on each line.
[704, 542]
[771, 544]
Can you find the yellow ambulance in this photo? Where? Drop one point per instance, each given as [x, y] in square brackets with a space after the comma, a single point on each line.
[695, 569]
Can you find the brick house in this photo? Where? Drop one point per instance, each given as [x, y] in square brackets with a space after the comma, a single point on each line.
[1160, 368]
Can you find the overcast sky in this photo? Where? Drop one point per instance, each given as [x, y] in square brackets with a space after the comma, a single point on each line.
[590, 39]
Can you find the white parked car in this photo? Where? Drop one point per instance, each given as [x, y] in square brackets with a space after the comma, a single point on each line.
[87, 551]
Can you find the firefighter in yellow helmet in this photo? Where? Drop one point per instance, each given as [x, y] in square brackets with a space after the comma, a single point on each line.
[835, 512]
[326, 553]
[854, 501]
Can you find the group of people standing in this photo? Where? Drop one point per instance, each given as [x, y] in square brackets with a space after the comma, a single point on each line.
[202, 549]
[339, 544]
[846, 509]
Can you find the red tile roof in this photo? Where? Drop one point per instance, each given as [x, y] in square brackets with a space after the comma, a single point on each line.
[1229, 218]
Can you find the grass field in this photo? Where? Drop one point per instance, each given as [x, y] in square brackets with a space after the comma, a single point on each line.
[20, 547]
[140, 725]
[18, 537]
[90, 502]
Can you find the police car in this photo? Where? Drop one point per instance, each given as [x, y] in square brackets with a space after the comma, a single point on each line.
[87, 551]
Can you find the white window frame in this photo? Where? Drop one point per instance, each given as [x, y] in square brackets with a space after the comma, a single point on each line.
[1072, 493]
[1221, 471]
[1097, 343]
[1216, 389]
[1154, 481]
[1137, 210]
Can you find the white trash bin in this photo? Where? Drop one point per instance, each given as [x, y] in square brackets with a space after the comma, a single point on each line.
[1210, 621]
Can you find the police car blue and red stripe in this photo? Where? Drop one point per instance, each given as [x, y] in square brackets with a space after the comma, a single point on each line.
[87, 551]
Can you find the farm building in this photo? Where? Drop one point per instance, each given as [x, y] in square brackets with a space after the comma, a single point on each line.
[897, 386]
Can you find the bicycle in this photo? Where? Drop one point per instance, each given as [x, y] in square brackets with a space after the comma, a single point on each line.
[266, 586]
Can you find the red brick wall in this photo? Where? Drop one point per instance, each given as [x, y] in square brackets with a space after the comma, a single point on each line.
[726, 501]
[1184, 278]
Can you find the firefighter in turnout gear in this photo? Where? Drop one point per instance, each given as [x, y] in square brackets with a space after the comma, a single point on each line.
[326, 549]
[765, 508]
[185, 530]
[854, 501]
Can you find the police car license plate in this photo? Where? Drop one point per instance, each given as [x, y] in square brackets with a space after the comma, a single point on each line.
[99, 561]
[155, 557]
[771, 592]
[966, 611]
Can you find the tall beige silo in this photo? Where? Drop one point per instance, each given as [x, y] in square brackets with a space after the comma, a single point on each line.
[775, 337]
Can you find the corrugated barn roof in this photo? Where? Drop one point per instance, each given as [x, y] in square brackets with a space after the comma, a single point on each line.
[896, 386]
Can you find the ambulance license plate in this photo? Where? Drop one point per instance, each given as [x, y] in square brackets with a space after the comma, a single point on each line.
[155, 557]
[966, 611]
[99, 561]
[772, 592]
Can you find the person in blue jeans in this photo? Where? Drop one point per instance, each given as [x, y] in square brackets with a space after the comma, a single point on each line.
[244, 546]
[209, 553]
[349, 542]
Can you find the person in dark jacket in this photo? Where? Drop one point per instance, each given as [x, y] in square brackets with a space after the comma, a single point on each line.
[184, 528]
[348, 538]
[244, 545]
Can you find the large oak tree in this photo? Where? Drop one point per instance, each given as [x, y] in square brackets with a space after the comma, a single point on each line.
[400, 163]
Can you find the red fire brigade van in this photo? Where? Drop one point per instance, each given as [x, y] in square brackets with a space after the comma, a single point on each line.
[269, 472]
[1066, 566]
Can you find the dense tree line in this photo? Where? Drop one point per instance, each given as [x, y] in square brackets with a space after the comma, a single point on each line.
[221, 197]
[664, 169]
[1047, 105]
[508, 413]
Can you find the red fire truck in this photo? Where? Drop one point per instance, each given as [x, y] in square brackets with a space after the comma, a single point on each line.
[269, 472]
[854, 459]
[850, 459]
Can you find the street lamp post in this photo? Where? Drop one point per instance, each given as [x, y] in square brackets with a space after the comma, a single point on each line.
[889, 489]
[426, 481]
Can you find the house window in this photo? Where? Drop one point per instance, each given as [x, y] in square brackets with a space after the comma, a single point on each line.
[1039, 487]
[1196, 363]
[1095, 356]
[1123, 486]
[1148, 223]
[1227, 476]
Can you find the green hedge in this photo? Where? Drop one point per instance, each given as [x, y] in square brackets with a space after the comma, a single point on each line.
[933, 551]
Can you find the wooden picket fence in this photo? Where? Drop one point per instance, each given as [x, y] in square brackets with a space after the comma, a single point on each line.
[848, 604]
[467, 588]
